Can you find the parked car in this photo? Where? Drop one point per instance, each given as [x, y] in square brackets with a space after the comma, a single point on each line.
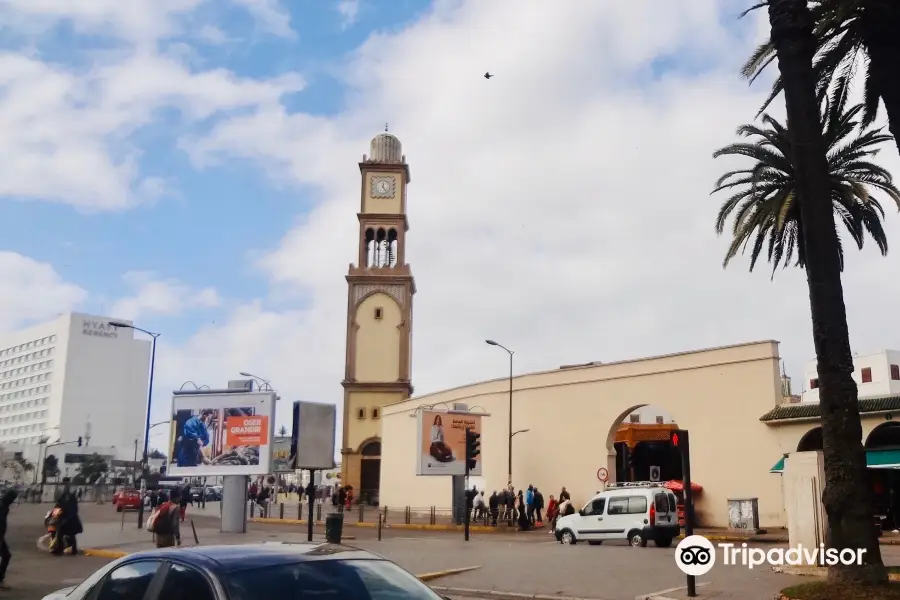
[248, 572]
[126, 499]
[637, 512]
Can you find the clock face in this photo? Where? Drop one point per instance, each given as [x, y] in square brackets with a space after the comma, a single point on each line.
[383, 187]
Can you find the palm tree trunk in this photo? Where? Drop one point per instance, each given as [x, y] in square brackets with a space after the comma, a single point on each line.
[881, 24]
[847, 497]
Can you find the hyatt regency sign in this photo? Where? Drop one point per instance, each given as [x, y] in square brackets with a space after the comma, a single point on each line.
[98, 329]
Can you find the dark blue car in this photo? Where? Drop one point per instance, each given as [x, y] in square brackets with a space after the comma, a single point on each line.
[286, 571]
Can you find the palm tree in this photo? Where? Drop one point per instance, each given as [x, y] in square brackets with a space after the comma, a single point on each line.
[93, 469]
[765, 198]
[846, 498]
[851, 34]
[282, 431]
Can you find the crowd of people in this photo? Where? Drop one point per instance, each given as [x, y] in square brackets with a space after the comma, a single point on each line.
[525, 508]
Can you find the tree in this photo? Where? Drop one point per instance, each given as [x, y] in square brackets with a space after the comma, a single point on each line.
[851, 34]
[156, 454]
[20, 465]
[847, 498]
[282, 431]
[93, 469]
[51, 467]
[765, 196]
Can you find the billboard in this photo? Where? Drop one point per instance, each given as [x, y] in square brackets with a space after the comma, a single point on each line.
[441, 448]
[221, 434]
[313, 438]
[281, 455]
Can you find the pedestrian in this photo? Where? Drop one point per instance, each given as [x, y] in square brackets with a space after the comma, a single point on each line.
[8, 498]
[349, 499]
[538, 507]
[529, 503]
[511, 504]
[494, 506]
[185, 499]
[564, 495]
[165, 522]
[552, 510]
[524, 521]
[470, 502]
[70, 527]
[342, 497]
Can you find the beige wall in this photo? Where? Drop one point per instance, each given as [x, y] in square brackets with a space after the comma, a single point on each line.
[383, 206]
[378, 340]
[572, 414]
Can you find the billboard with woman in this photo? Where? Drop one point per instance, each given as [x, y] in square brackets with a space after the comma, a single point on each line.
[441, 446]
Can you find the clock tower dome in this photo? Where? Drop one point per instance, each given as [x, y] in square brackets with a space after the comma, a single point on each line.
[378, 361]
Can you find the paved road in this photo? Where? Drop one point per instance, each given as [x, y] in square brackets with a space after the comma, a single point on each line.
[532, 563]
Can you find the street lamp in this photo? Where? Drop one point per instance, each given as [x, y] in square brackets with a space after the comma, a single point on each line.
[258, 379]
[117, 324]
[511, 434]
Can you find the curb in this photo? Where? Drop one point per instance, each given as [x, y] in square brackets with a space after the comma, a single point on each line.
[807, 571]
[407, 526]
[104, 553]
[505, 595]
[445, 573]
[741, 538]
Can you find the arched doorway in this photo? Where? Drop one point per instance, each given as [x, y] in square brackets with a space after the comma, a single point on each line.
[370, 472]
[811, 440]
[885, 479]
[642, 447]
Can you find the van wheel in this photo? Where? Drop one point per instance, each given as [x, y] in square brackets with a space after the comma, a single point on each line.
[636, 539]
[568, 538]
[663, 542]
[596, 542]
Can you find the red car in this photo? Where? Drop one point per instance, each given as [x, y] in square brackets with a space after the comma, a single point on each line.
[126, 500]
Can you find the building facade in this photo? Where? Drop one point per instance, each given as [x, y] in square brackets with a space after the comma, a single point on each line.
[73, 377]
[379, 315]
[876, 374]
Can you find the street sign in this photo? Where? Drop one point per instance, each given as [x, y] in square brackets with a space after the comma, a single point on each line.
[603, 474]
[654, 473]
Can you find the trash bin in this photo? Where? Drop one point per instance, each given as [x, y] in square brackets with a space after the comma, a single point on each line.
[334, 525]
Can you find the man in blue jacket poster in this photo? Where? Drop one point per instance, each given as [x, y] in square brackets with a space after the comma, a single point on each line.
[194, 437]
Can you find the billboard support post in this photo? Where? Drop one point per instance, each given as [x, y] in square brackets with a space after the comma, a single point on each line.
[310, 501]
[234, 504]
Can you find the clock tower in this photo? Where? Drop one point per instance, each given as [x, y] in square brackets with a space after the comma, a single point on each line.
[379, 315]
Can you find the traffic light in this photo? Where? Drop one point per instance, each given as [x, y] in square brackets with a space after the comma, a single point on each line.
[473, 449]
[79, 441]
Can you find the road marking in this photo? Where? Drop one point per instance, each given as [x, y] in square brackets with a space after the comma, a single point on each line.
[501, 595]
[660, 595]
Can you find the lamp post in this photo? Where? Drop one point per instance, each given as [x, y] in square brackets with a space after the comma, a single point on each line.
[117, 324]
[511, 434]
[258, 379]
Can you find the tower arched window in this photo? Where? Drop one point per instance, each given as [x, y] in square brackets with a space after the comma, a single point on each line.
[381, 253]
[392, 248]
[370, 247]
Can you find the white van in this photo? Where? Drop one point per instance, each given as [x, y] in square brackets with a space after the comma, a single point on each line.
[637, 512]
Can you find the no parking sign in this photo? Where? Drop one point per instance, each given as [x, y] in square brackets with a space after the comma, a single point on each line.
[603, 474]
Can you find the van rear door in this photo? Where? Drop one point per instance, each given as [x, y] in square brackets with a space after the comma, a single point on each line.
[666, 509]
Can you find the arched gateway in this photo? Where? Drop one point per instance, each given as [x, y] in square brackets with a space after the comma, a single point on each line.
[571, 415]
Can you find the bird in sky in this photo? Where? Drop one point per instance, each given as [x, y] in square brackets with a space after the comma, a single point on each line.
[488, 75]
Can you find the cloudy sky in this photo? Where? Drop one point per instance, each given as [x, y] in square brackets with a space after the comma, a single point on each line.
[192, 165]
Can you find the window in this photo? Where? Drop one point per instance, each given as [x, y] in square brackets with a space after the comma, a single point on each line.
[128, 582]
[814, 384]
[895, 372]
[374, 413]
[595, 507]
[379, 313]
[627, 505]
[662, 503]
[183, 583]
[866, 374]
[634, 418]
[659, 420]
[329, 580]
[361, 413]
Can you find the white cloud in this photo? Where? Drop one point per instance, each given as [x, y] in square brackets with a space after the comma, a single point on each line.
[562, 207]
[271, 15]
[32, 291]
[349, 11]
[160, 296]
[213, 35]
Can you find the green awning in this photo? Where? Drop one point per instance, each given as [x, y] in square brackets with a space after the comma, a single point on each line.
[883, 459]
[875, 459]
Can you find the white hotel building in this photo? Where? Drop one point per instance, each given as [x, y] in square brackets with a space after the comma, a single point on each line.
[75, 376]
[877, 375]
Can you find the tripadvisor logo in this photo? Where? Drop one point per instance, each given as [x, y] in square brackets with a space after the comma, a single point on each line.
[696, 555]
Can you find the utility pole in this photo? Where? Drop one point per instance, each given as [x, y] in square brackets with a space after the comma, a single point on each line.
[681, 441]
